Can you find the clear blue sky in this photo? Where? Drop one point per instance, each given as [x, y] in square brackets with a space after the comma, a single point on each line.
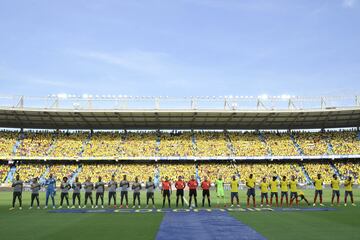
[180, 47]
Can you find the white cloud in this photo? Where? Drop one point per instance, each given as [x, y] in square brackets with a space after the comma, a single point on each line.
[349, 3]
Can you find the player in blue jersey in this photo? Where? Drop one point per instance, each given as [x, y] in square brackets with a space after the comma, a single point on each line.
[50, 184]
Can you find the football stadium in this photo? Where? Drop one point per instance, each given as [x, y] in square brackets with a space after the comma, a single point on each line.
[244, 173]
[186, 119]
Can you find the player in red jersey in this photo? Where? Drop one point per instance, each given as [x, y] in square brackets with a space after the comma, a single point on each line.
[180, 185]
[205, 185]
[192, 184]
[166, 190]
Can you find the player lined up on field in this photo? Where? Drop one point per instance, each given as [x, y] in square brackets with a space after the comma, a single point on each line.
[264, 186]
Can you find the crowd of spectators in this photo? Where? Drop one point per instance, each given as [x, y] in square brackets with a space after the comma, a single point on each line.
[123, 144]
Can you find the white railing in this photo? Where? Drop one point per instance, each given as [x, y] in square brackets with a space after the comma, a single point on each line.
[109, 102]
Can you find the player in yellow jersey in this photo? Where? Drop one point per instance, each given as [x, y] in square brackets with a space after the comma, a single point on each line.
[274, 183]
[318, 183]
[293, 191]
[284, 185]
[264, 188]
[302, 197]
[250, 184]
[335, 186]
[234, 184]
[348, 190]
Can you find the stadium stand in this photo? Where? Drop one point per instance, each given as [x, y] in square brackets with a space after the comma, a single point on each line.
[139, 144]
[323, 168]
[76, 144]
[211, 144]
[177, 144]
[35, 144]
[345, 142]
[348, 169]
[172, 170]
[39, 145]
[4, 169]
[247, 144]
[7, 142]
[69, 144]
[30, 171]
[104, 144]
[312, 143]
[280, 144]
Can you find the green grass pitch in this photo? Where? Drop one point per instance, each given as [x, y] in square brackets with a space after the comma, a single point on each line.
[344, 223]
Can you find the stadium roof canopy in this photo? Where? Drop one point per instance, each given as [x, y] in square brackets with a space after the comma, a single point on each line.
[223, 113]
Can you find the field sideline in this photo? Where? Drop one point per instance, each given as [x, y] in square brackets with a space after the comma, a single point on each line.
[39, 224]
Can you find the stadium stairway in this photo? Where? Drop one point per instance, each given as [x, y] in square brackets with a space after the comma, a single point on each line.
[75, 174]
[157, 176]
[193, 140]
[229, 144]
[330, 149]
[306, 174]
[10, 175]
[52, 144]
[335, 169]
[297, 146]
[18, 143]
[263, 141]
[158, 140]
[84, 144]
[43, 176]
[197, 176]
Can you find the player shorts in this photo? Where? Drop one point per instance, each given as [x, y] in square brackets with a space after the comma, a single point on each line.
[293, 195]
[234, 194]
[251, 192]
[17, 194]
[336, 193]
[123, 193]
[88, 194]
[220, 193]
[301, 196]
[166, 193]
[111, 194]
[272, 194]
[62, 195]
[350, 193]
[264, 195]
[149, 195]
[318, 192]
[76, 194]
[206, 193]
[192, 192]
[179, 192]
[284, 194]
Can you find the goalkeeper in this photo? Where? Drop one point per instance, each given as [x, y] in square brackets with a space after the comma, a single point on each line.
[50, 184]
[219, 186]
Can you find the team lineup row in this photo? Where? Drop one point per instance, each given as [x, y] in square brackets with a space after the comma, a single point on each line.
[166, 187]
